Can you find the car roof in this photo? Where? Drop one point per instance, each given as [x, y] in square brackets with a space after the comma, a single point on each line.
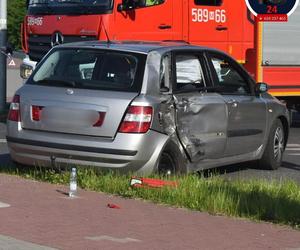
[143, 47]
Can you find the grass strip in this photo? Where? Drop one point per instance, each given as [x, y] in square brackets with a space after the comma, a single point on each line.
[273, 201]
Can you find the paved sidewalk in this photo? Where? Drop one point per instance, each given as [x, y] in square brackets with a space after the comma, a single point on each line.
[40, 216]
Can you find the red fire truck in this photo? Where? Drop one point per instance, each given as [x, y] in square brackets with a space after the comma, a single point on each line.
[270, 52]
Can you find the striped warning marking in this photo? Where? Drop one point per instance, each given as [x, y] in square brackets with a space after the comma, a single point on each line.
[4, 205]
[2, 140]
[113, 239]
[293, 149]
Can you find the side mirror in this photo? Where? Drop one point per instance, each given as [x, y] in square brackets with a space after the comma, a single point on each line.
[261, 87]
[120, 7]
[130, 4]
[25, 71]
[27, 68]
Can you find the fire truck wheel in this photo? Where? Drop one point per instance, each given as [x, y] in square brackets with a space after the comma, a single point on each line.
[273, 153]
[171, 161]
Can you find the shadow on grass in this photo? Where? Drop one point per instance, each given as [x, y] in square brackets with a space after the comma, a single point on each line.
[266, 205]
[36, 172]
[226, 169]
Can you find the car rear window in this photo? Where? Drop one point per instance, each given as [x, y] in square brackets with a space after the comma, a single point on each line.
[91, 69]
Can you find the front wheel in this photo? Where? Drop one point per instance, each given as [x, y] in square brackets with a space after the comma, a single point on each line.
[171, 161]
[274, 150]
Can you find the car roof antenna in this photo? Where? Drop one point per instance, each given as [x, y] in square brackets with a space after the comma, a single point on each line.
[107, 37]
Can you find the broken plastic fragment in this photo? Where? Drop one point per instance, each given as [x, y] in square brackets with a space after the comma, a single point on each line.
[151, 183]
[110, 205]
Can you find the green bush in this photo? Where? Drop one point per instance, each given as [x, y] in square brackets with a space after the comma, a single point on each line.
[16, 10]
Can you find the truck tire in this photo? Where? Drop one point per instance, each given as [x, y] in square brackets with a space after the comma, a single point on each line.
[171, 161]
[273, 153]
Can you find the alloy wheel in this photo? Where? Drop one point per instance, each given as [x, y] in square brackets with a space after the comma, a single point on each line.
[278, 144]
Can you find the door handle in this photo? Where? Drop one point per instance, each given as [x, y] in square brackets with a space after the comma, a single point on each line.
[164, 27]
[221, 28]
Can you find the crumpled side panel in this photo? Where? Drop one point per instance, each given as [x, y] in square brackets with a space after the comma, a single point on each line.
[167, 118]
[202, 125]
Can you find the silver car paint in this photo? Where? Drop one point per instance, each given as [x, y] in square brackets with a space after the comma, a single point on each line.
[199, 133]
[61, 109]
[205, 147]
[247, 114]
[147, 146]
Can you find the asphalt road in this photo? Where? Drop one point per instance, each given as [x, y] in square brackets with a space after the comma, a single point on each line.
[290, 168]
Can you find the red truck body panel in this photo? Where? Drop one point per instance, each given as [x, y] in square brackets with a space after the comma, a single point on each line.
[228, 27]
[285, 81]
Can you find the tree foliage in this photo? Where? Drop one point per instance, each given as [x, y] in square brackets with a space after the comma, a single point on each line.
[16, 10]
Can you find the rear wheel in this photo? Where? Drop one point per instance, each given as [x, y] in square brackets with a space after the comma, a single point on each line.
[273, 154]
[171, 161]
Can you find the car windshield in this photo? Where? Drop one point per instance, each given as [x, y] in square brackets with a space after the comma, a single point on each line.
[68, 7]
[91, 69]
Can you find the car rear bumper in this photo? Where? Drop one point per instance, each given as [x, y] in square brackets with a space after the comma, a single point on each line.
[126, 152]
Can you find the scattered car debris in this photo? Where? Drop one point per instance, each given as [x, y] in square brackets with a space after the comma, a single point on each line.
[111, 205]
[152, 183]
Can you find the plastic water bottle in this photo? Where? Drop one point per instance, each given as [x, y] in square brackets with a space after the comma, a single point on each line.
[73, 183]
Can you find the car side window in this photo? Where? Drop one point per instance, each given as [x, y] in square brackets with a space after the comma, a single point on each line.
[189, 73]
[228, 79]
[148, 3]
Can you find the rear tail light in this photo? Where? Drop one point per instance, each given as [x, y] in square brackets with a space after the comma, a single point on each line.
[137, 120]
[36, 112]
[14, 110]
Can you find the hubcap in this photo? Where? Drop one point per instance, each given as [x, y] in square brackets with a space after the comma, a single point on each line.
[278, 144]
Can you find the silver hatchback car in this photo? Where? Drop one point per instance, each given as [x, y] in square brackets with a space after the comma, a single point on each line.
[144, 107]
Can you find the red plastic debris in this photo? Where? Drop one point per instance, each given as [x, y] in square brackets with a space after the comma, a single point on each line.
[151, 183]
[110, 205]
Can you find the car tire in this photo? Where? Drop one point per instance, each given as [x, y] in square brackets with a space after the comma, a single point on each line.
[273, 153]
[171, 161]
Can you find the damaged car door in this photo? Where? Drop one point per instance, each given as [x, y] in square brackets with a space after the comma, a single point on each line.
[201, 113]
